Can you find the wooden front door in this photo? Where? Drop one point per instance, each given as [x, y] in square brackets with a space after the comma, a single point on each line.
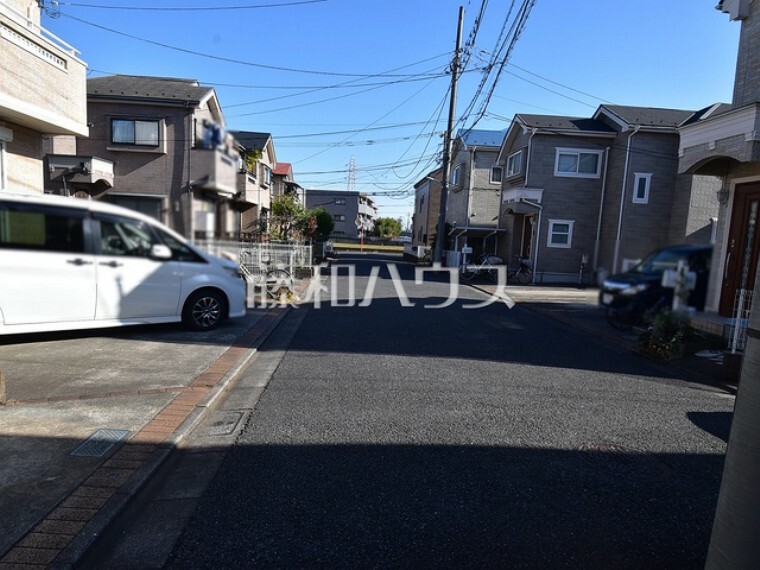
[740, 264]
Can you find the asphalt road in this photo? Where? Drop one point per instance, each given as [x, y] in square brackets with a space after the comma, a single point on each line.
[406, 437]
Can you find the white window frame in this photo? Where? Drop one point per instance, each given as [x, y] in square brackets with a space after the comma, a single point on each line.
[494, 179]
[514, 164]
[577, 152]
[637, 178]
[454, 178]
[550, 234]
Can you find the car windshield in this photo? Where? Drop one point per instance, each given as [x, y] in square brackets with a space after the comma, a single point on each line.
[659, 261]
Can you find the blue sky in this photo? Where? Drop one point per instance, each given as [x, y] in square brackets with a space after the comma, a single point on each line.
[337, 81]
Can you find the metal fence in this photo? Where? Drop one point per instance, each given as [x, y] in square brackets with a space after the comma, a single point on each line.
[257, 259]
[737, 326]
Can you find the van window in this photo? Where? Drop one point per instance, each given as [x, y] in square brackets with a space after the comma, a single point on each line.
[180, 252]
[41, 228]
[123, 236]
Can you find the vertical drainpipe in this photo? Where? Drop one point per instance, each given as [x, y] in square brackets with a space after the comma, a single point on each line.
[622, 199]
[537, 229]
[601, 209]
[191, 140]
[469, 190]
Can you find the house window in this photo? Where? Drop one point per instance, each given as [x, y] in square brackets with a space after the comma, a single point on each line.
[577, 163]
[641, 185]
[496, 172]
[339, 218]
[139, 133]
[340, 201]
[456, 176]
[514, 163]
[560, 233]
[267, 176]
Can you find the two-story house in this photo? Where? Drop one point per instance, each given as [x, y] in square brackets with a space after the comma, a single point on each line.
[723, 142]
[283, 183]
[427, 208]
[354, 213]
[172, 157]
[585, 197]
[472, 205]
[43, 103]
[257, 185]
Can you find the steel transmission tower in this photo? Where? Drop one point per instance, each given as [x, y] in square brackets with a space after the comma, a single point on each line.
[352, 175]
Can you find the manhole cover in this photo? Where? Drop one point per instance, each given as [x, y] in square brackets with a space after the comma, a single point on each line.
[99, 443]
[623, 462]
[222, 423]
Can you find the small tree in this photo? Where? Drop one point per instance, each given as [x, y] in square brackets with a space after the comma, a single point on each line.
[387, 227]
[289, 219]
[323, 224]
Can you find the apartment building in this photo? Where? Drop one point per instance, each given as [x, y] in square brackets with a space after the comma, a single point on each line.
[353, 213]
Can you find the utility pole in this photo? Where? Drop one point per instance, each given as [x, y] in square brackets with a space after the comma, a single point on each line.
[734, 543]
[447, 141]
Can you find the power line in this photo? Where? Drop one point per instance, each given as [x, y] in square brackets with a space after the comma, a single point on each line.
[188, 8]
[228, 59]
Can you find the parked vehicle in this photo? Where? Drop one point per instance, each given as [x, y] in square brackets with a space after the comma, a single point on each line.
[627, 296]
[68, 263]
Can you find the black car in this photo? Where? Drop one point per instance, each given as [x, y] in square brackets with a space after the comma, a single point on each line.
[641, 287]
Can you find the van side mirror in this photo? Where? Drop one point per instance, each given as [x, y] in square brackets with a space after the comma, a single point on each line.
[160, 252]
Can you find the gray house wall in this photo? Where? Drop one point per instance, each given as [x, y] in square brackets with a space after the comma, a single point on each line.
[678, 209]
[161, 173]
[695, 209]
[564, 198]
[457, 202]
[484, 194]
[350, 210]
[474, 201]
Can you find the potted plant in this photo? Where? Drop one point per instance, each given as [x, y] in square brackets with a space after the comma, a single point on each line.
[669, 337]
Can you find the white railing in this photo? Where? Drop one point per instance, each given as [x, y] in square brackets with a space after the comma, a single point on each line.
[47, 35]
[257, 258]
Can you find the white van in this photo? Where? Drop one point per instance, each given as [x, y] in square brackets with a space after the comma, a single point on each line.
[68, 263]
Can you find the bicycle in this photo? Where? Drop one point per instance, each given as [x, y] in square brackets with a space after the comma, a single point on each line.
[486, 266]
[276, 283]
[523, 273]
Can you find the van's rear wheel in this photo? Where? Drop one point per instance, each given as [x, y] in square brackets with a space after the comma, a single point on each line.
[203, 311]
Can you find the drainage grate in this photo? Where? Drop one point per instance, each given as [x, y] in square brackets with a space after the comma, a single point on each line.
[623, 462]
[99, 443]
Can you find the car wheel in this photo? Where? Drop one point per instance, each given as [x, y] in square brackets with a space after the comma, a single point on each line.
[203, 311]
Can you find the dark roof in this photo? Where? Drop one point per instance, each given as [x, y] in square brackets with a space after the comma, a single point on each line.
[648, 116]
[158, 88]
[251, 140]
[562, 123]
[707, 113]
